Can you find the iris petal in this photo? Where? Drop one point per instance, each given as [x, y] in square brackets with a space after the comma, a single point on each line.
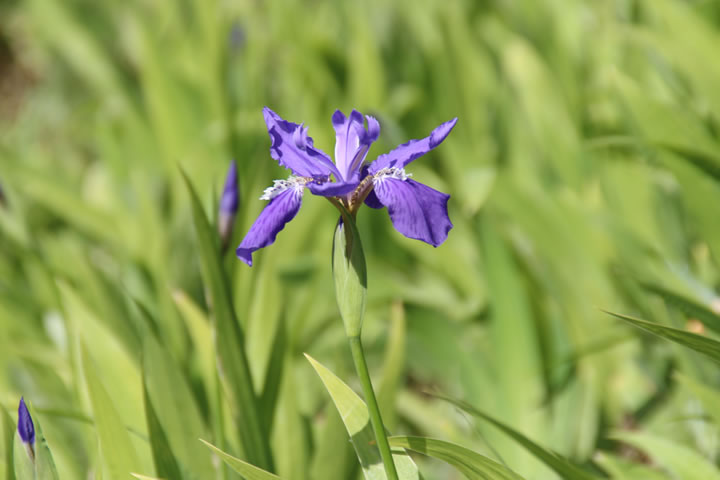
[407, 152]
[416, 210]
[352, 142]
[293, 149]
[281, 209]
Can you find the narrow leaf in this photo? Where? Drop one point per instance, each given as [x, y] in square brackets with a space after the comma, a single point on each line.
[355, 415]
[681, 461]
[165, 463]
[250, 472]
[687, 306]
[701, 344]
[115, 445]
[230, 346]
[559, 464]
[8, 432]
[175, 407]
[471, 464]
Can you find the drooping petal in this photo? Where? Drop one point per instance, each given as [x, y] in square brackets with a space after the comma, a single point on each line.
[282, 208]
[352, 141]
[416, 210]
[293, 149]
[407, 152]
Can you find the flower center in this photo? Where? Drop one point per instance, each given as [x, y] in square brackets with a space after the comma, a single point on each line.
[358, 196]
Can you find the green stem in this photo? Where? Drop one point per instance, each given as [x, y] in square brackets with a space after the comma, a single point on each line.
[361, 366]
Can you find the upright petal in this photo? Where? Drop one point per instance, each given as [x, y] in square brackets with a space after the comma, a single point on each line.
[293, 149]
[416, 210]
[282, 208]
[352, 141]
[407, 152]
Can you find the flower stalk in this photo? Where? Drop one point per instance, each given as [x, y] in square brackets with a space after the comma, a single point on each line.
[350, 274]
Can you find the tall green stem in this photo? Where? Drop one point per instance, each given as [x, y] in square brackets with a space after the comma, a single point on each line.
[375, 419]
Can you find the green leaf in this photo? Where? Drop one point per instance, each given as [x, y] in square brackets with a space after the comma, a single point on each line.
[687, 306]
[250, 472]
[356, 417]
[701, 344]
[709, 397]
[350, 275]
[8, 433]
[115, 445]
[165, 462]
[681, 461]
[43, 466]
[175, 407]
[232, 359]
[561, 465]
[471, 464]
[623, 469]
[393, 364]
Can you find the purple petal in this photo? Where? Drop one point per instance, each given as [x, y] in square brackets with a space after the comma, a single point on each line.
[293, 149]
[331, 189]
[416, 210]
[373, 201]
[25, 427]
[407, 152]
[352, 141]
[281, 209]
[229, 198]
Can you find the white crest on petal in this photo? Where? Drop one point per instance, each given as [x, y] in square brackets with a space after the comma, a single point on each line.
[279, 186]
[392, 172]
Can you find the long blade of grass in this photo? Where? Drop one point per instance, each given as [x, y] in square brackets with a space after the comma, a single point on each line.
[704, 345]
[562, 466]
[471, 464]
[355, 415]
[230, 343]
[116, 448]
[250, 472]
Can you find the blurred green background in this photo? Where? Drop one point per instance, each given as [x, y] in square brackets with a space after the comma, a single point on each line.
[584, 176]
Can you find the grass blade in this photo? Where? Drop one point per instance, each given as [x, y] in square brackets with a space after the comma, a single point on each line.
[117, 450]
[704, 345]
[680, 460]
[355, 415]
[471, 464]
[8, 432]
[232, 359]
[687, 306]
[165, 463]
[250, 472]
[559, 464]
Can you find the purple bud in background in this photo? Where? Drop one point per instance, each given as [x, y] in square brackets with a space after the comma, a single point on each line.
[229, 202]
[25, 427]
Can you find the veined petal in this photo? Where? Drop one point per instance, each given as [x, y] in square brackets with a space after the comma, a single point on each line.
[293, 148]
[407, 152]
[283, 207]
[416, 210]
[352, 141]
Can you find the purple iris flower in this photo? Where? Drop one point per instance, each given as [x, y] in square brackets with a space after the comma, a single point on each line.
[416, 210]
[25, 427]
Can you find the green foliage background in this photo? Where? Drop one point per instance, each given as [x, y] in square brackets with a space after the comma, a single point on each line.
[584, 176]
